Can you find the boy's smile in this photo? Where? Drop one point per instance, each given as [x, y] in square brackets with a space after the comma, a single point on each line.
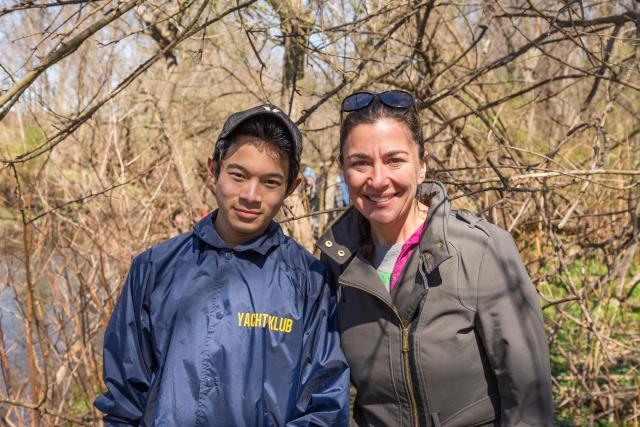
[249, 189]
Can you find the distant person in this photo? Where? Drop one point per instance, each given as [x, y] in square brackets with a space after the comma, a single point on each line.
[232, 323]
[311, 192]
[311, 187]
[342, 192]
[438, 318]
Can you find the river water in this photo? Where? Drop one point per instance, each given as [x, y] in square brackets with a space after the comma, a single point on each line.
[11, 320]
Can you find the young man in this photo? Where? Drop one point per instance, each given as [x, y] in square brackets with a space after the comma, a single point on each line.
[231, 324]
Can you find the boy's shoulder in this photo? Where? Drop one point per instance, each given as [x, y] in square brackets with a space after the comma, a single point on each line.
[166, 250]
[310, 271]
[297, 256]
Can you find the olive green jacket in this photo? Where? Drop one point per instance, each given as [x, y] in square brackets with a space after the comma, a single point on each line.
[459, 341]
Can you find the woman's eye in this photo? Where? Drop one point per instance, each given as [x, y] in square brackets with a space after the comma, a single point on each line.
[395, 161]
[358, 163]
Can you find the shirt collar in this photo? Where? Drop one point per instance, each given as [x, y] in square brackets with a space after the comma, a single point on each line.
[206, 231]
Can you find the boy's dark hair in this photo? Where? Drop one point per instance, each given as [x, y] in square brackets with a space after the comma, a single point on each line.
[269, 129]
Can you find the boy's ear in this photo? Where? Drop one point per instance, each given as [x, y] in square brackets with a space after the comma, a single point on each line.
[295, 185]
[211, 168]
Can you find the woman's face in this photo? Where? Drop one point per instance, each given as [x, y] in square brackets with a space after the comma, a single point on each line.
[382, 169]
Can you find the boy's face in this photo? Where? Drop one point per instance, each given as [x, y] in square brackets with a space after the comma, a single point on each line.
[250, 188]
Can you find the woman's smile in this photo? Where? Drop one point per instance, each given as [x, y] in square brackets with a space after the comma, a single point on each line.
[380, 201]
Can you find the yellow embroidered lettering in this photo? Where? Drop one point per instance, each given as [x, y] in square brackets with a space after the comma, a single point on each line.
[265, 320]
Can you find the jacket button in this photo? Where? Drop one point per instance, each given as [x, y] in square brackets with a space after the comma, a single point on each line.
[208, 382]
[219, 315]
[440, 245]
[340, 252]
[428, 256]
[328, 243]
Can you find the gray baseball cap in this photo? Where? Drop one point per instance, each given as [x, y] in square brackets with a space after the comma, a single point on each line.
[263, 110]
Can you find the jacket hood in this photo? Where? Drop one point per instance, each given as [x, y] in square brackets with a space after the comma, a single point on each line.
[343, 240]
[206, 231]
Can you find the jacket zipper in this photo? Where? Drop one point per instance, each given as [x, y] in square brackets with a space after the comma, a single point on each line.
[407, 375]
[425, 398]
[405, 352]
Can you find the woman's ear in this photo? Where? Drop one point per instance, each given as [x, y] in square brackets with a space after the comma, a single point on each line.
[423, 167]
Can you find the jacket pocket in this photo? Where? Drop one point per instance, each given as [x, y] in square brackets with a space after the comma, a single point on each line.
[477, 413]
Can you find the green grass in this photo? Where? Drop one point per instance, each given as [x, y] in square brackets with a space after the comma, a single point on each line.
[571, 337]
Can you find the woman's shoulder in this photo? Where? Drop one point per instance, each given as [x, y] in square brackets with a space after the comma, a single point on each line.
[467, 229]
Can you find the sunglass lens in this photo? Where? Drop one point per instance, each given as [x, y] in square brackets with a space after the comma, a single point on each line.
[356, 101]
[397, 99]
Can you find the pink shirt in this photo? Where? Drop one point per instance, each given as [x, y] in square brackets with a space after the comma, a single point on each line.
[407, 248]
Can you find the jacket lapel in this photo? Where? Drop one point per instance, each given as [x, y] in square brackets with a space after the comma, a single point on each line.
[361, 275]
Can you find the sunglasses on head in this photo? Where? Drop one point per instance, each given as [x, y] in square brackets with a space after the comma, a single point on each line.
[391, 98]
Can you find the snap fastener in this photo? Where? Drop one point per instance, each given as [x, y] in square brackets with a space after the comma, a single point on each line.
[440, 244]
[428, 256]
[328, 243]
[219, 315]
[340, 252]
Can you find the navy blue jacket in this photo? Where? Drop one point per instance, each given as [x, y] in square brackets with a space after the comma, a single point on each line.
[204, 335]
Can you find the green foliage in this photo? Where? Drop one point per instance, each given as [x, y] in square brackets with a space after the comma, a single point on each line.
[8, 214]
[31, 137]
[34, 136]
[575, 347]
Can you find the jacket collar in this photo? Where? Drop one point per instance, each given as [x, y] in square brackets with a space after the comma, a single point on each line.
[206, 231]
[433, 243]
[342, 240]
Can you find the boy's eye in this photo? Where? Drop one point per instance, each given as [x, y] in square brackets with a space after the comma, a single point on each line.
[272, 183]
[236, 175]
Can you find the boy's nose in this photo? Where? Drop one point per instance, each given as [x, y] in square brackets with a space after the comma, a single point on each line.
[251, 192]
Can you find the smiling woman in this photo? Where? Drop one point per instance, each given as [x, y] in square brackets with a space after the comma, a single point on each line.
[437, 316]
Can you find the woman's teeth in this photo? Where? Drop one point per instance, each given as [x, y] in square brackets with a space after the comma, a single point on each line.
[380, 199]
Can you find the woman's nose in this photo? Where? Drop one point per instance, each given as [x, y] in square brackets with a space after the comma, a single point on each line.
[379, 178]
